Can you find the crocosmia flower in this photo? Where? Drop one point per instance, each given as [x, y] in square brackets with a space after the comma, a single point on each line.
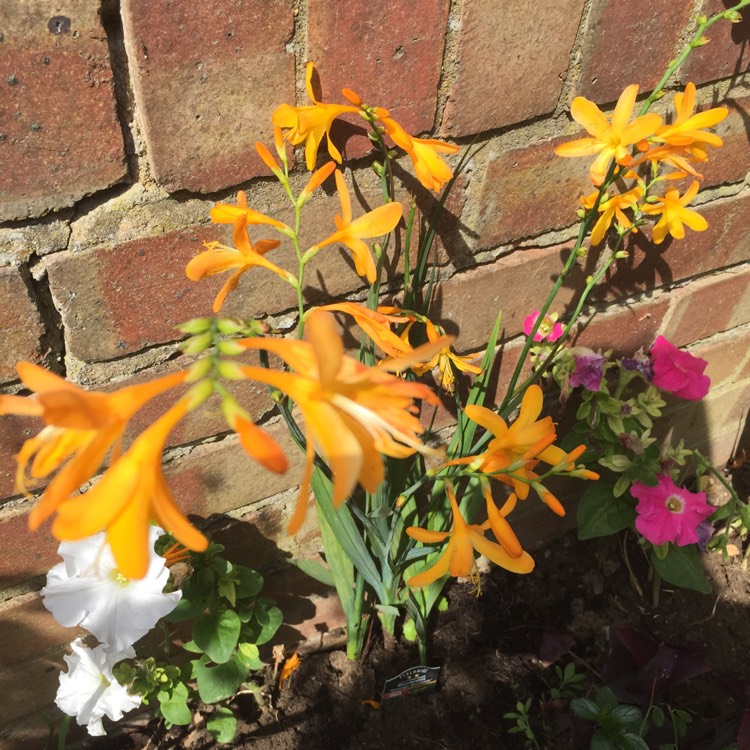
[88, 589]
[89, 691]
[674, 214]
[588, 371]
[668, 513]
[549, 329]
[678, 372]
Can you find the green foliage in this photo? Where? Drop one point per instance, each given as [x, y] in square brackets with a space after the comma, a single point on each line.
[618, 726]
[230, 621]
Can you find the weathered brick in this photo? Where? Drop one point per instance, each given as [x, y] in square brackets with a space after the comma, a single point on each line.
[114, 301]
[27, 629]
[726, 54]
[730, 162]
[390, 55]
[504, 46]
[725, 295]
[725, 243]
[711, 425]
[206, 84]
[624, 329]
[60, 139]
[20, 323]
[727, 354]
[515, 284]
[620, 46]
[24, 554]
[13, 431]
[30, 688]
[18, 244]
[528, 191]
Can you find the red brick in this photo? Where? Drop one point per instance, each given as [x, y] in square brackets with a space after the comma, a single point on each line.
[515, 284]
[621, 45]
[24, 554]
[730, 162]
[527, 191]
[60, 139]
[625, 329]
[30, 688]
[13, 431]
[27, 629]
[727, 355]
[726, 54]
[20, 323]
[390, 54]
[503, 47]
[114, 301]
[725, 243]
[714, 424]
[206, 84]
[710, 305]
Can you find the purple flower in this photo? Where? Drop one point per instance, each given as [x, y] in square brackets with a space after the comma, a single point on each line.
[668, 513]
[588, 371]
[678, 372]
[640, 362]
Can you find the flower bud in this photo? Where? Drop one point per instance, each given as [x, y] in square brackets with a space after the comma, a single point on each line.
[230, 326]
[199, 369]
[620, 254]
[733, 16]
[581, 252]
[199, 393]
[700, 41]
[352, 96]
[230, 348]
[198, 344]
[196, 325]
[701, 20]
[230, 370]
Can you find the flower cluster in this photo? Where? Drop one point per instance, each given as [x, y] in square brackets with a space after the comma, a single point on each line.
[88, 590]
[622, 145]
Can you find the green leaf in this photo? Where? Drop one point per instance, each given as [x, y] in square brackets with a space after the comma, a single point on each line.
[217, 634]
[220, 682]
[315, 569]
[265, 622]
[173, 705]
[683, 567]
[657, 716]
[250, 583]
[192, 647]
[222, 725]
[249, 654]
[601, 514]
[633, 742]
[410, 631]
[585, 708]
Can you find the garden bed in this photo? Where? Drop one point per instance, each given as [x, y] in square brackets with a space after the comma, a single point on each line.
[502, 647]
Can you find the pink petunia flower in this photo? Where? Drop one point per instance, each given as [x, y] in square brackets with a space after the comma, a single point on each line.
[678, 372]
[549, 329]
[668, 513]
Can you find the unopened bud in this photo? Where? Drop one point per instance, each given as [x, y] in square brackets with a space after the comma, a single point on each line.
[230, 370]
[581, 252]
[230, 348]
[199, 393]
[620, 254]
[589, 280]
[230, 326]
[196, 325]
[377, 167]
[581, 213]
[701, 20]
[700, 41]
[198, 344]
[733, 16]
[200, 369]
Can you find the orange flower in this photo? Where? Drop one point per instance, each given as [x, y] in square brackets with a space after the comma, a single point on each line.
[674, 214]
[610, 139]
[518, 447]
[130, 494]
[429, 168]
[226, 213]
[309, 124]
[375, 223]
[613, 208]
[218, 258]
[444, 360]
[377, 325]
[457, 558]
[351, 412]
[81, 428]
[687, 128]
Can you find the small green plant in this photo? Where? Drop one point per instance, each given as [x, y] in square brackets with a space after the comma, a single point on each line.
[618, 726]
[522, 719]
[229, 621]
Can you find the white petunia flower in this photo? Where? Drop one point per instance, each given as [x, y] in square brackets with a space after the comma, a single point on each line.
[88, 590]
[88, 690]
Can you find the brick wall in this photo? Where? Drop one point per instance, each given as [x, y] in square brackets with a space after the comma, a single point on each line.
[121, 123]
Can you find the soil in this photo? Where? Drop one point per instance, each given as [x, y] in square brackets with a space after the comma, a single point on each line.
[502, 647]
